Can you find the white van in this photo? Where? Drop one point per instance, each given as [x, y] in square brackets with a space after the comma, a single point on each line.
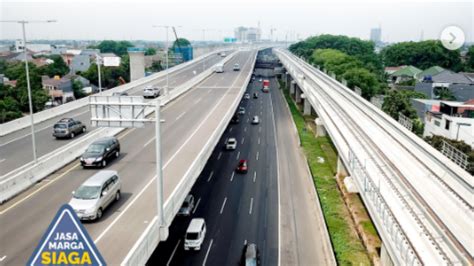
[96, 194]
[195, 234]
[219, 68]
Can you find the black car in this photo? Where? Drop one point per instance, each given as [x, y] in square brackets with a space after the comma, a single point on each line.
[255, 95]
[100, 152]
[235, 119]
[68, 128]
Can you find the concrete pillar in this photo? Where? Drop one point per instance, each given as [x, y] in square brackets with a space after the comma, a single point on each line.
[341, 168]
[307, 106]
[320, 129]
[298, 94]
[137, 64]
[292, 87]
[385, 259]
[288, 79]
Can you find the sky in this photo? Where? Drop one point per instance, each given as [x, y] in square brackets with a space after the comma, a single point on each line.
[133, 20]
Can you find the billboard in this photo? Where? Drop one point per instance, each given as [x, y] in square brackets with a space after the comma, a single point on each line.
[112, 61]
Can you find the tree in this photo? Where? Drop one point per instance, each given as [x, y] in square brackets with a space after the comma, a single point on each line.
[363, 79]
[182, 43]
[58, 67]
[443, 93]
[422, 55]
[470, 59]
[118, 48]
[109, 75]
[150, 51]
[77, 89]
[400, 102]
[156, 66]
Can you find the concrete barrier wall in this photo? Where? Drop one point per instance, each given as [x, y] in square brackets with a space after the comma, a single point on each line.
[23, 122]
[141, 251]
[24, 177]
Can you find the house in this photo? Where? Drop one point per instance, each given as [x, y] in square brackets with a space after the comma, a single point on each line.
[454, 120]
[80, 62]
[459, 85]
[59, 89]
[428, 73]
[404, 74]
[390, 70]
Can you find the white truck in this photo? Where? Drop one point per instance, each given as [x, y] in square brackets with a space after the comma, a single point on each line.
[219, 68]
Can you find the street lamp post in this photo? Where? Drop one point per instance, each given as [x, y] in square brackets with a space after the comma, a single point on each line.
[98, 60]
[30, 101]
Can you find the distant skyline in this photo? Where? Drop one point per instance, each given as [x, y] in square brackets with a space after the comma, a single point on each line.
[100, 20]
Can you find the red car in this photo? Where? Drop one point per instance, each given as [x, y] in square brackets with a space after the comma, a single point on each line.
[242, 167]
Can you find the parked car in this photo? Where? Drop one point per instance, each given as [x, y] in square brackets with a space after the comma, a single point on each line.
[242, 167]
[255, 95]
[100, 152]
[246, 96]
[123, 93]
[235, 119]
[255, 120]
[151, 92]
[68, 128]
[250, 255]
[195, 234]
[187, 206]
[96, 194]
[231, 144]
[241, 111]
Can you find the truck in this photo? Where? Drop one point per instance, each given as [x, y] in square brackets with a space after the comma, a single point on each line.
[219, 68]
[266, 85]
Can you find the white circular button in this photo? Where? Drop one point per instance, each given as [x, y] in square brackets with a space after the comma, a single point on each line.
[452, 37]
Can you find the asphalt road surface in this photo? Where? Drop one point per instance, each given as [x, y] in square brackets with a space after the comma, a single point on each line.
[16, 148]
[188, 120]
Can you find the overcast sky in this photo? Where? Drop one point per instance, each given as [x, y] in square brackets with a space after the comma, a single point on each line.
[132, 20]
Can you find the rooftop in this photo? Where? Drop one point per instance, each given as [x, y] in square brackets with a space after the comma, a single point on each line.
[409, 71]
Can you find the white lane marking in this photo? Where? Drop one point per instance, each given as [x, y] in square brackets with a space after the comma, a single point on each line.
[232, 176]
[210, 176]
[243, 139]
[261, 113]
[245, 129]
[148, 142]
[36, 131]
[238, 155]
[260, 129]
[219, 156]
[197, 204]
[259, 140]
[254, 176]
[256, 157]
[230, 129]
[223, 205]
[207, 253]
[181, 115]
[251, 206]
[198, 100]
[2, 160]
[2, 258]
[172, 253]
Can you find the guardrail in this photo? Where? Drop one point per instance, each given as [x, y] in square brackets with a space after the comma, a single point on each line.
[23, 122]
[24, 177]
[146, 244]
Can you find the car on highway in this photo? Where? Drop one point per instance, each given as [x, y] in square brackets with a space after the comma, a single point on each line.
[231, 144]
[236, 67]
[250, 255]
[242, 167]
[241, 110]
[151, 92]
[223, 54]
[195, 234]
[123, 93]
[68, 128]
[235, 119]
[246, 96]
[187, 206]
[94, 195]
[255, 120]
[260, 80]
[100, 152]
[255, 95]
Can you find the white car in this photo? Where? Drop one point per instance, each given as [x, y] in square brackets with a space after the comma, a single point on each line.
[231, 144]
[241, 111]
[195, 234]
[91, 199]
[151, 92]
[236, 67]
[255, 120]
[247, 96]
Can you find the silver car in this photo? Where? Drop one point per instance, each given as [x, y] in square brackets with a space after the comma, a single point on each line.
[91, 199]
[151, 92]
[187, 207]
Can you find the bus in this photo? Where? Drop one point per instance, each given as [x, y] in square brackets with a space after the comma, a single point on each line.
[266, 85]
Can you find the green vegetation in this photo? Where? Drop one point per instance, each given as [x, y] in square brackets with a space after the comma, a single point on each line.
[470, 59]
[437, 143]
[58, 67]
[182, 43]
[150, 51]
[348, 248]
[422, 55]
[110, 75]
[399, 101]
[119, 48]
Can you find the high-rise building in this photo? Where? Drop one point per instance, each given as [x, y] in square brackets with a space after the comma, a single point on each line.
[376, 35]
[243, 34]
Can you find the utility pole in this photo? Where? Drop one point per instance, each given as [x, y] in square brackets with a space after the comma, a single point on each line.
[30, 101]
